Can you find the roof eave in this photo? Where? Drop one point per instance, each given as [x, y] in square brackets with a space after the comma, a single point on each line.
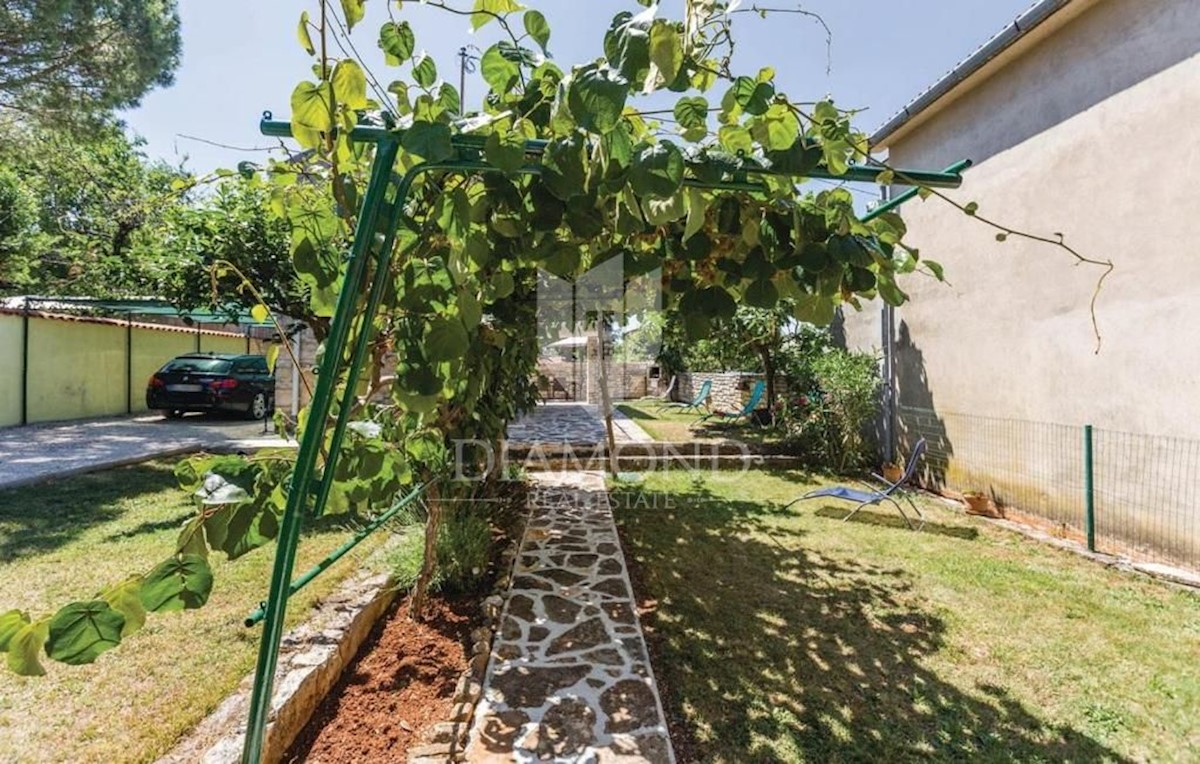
[1022, 26]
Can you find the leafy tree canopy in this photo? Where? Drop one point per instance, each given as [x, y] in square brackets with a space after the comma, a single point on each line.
[69, 61]
[76, 210]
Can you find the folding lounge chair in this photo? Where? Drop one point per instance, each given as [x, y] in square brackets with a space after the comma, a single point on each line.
[873, 495]
[755, 398]
[697, 402]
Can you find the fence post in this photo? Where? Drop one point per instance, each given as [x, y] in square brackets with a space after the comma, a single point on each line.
[129, 363]
[1089, 518]
[25, 363]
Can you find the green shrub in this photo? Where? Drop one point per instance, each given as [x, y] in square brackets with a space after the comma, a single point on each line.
[828, 424]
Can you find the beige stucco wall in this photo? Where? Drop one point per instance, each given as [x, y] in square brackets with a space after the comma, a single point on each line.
[1094, 132]
[1012, 335]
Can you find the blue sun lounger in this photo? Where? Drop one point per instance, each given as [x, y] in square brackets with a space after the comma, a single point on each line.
[873, 495]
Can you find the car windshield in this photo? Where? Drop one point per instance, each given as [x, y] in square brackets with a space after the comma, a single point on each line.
[202, 365]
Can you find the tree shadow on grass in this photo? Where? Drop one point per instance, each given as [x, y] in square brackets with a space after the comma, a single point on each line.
[36, 520]
[40, 519]
[894, 520]
[770, 650]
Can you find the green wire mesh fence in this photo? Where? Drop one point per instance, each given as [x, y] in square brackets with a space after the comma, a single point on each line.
[1145, 489]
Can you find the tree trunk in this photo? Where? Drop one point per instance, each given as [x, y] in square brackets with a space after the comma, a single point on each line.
[606, 399]
[768, 361]
[433, 524]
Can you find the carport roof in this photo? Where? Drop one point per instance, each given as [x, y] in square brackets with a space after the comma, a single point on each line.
[231, 314]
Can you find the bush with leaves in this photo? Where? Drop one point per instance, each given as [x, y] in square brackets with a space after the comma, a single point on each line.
[828, 423]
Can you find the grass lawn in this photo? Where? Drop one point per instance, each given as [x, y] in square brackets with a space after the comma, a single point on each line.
[792, 636]
[669, 426]
[64, 541]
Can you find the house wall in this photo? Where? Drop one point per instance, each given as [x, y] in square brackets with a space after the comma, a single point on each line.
[1114, 171]
[1092, 132]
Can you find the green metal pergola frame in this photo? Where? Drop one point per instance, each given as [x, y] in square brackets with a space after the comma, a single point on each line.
[376, 203]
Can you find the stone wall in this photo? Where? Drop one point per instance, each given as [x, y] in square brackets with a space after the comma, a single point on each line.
[730, 389]
[579, 380]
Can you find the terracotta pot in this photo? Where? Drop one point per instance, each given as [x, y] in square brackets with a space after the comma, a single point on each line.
[892, 473]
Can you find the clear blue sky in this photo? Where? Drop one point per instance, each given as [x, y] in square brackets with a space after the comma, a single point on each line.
[241, 57]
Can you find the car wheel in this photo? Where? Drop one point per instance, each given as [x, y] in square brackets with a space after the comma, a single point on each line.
[258, 406]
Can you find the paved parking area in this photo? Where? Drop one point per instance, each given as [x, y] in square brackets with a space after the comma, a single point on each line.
[41, 452]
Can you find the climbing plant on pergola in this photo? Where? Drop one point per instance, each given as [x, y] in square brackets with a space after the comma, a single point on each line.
[449, 215]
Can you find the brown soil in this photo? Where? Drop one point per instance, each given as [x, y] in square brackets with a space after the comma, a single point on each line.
[683, 739]
[401, 683]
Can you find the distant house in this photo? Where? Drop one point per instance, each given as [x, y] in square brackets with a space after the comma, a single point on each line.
[1083, 117]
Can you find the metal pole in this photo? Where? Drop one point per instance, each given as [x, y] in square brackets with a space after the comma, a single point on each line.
[361, 343]
[310, 447]
[340, 552]
[887, 319]
[128, 363]
[1089, 517]
[25, 363]
[855, 173]
[906, 177]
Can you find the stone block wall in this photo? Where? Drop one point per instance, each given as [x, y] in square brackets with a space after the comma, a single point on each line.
[730, 389]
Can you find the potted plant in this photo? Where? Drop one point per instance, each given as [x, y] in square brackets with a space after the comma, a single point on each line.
[892, 472]
[978, 503]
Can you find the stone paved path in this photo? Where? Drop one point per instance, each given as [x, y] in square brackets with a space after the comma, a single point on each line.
[569, 678]
[39, 452]
[573, 423]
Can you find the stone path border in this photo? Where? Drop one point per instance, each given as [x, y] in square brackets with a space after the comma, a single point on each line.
[42, 452]
[569, 677]
[311, 660]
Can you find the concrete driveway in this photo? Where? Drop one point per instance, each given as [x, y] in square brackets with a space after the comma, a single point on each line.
[41, 452]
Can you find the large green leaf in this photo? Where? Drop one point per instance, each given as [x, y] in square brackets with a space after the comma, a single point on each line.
[250, 526]
[627, 45]
[666, 54]
[692, 116]
[761, 294]
[351, 84]
[354, 10]
[424, 70]
[597, 96]
[446, 340]
[498, 71]
[486, 11]
[563, 168]
[80, 631]
[310, 112]
[657, 170]
[538, 29]
[303, 35]
[505, 150]
[662, 211]
[10, 623]
[24, 648]
[777, 130]
[752, 95]
[397, 41]
[428, 140]
[126, 599]
[182, 582]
